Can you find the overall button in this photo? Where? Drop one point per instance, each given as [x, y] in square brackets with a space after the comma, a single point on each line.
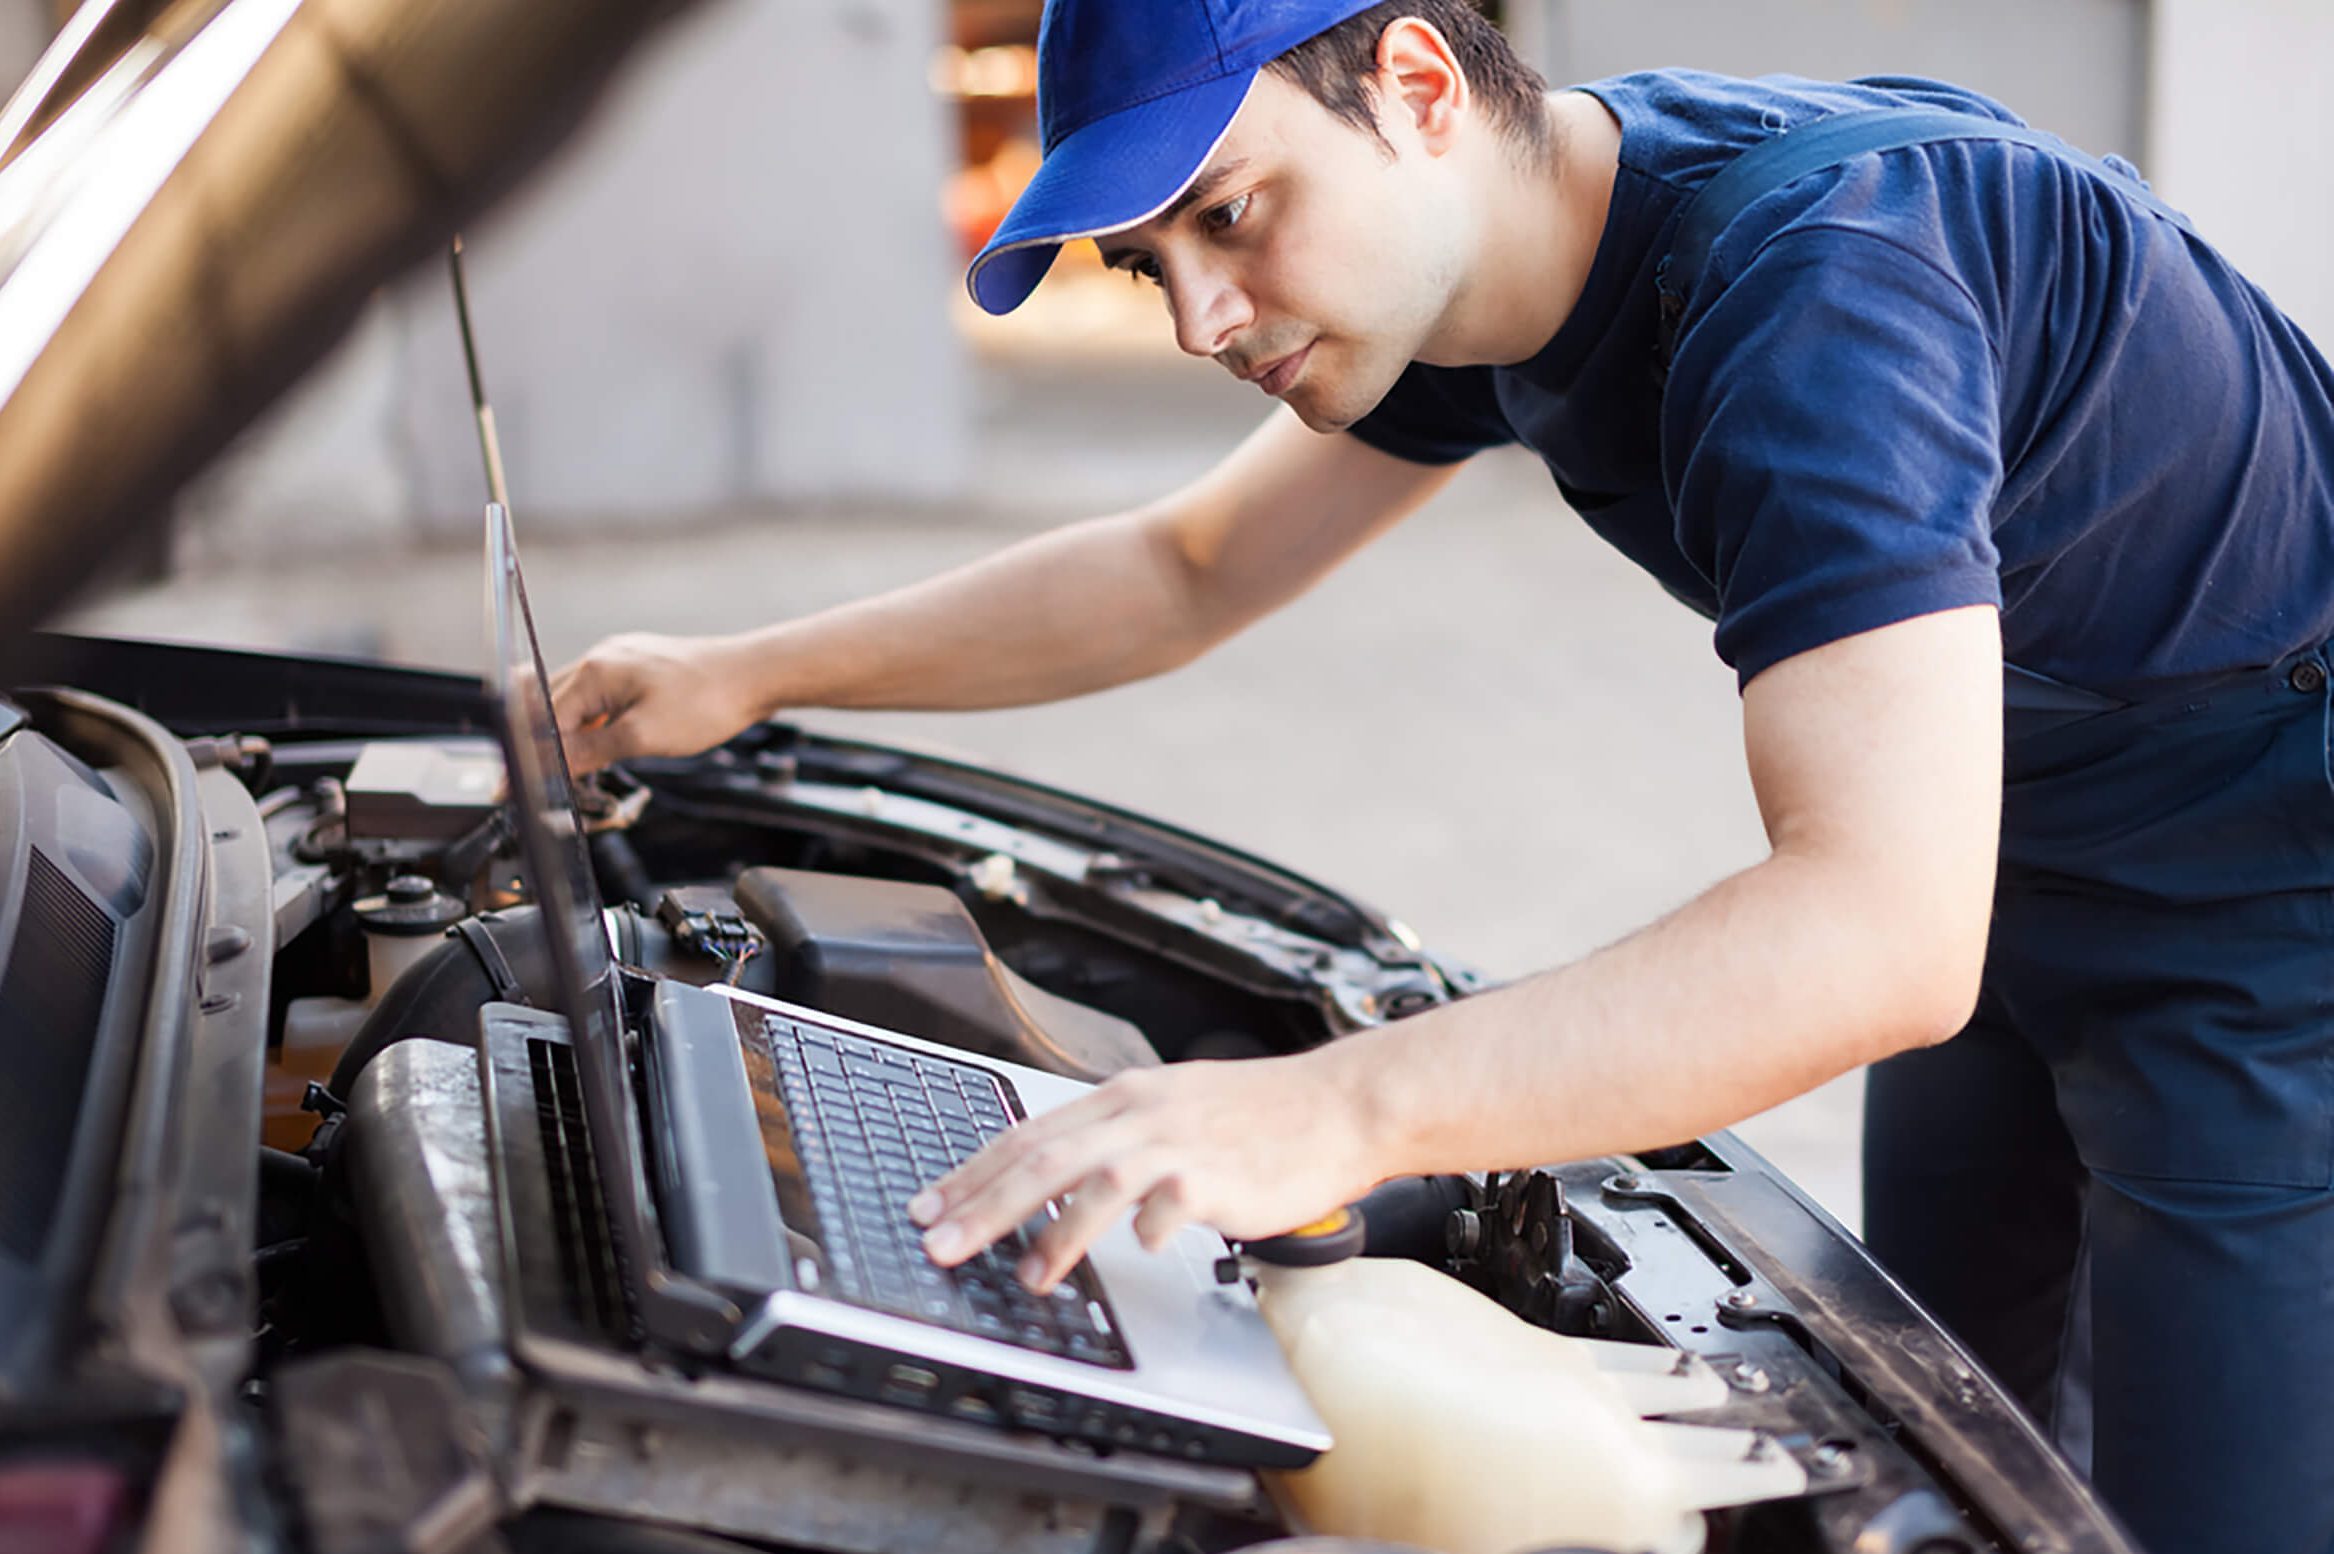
[2307, 677]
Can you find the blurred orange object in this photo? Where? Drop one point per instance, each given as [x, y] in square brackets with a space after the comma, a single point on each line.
[977, 198]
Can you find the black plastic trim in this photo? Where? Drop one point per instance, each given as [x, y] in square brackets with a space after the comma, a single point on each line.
[208, 690]
[113, 1224]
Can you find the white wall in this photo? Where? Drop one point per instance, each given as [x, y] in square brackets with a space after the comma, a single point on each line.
[730, 290]
[2223, 102]
[2075, 67]
[2242, 132]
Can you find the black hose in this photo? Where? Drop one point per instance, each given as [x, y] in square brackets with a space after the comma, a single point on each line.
[622, 876]
[1406, 1217]
[287, 1195]
[496, 955]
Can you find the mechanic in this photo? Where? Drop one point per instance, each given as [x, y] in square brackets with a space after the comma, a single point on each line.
[2011, 502]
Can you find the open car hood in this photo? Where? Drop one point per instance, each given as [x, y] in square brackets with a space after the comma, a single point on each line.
[197, 199]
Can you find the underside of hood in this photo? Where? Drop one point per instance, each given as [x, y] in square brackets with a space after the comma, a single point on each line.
[197, 203]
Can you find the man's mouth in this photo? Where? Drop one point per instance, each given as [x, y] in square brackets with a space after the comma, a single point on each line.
[1275, 377]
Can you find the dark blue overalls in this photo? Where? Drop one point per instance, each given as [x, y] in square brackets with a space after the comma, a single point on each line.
[2117, 1184]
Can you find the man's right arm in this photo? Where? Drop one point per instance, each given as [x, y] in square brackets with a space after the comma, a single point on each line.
[1078, 609]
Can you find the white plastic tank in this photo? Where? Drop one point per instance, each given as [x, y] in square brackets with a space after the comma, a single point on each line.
[401, 925]
[1459, 1427]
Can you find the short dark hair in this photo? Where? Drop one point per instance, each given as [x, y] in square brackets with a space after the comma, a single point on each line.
[1335, 68]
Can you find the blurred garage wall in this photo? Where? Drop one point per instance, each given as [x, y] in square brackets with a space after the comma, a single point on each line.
[2076, 67]
[2241, 136]
[2222, 102]
[731, 291]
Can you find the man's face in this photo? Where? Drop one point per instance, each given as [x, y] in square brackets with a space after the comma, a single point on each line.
[1302, 258]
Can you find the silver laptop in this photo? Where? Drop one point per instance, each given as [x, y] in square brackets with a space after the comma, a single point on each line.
[754, 1160]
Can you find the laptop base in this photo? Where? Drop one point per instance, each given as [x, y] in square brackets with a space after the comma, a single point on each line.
[571, 1384]
[830, 1364]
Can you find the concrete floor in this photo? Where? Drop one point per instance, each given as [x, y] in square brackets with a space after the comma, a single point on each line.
[1489, 724]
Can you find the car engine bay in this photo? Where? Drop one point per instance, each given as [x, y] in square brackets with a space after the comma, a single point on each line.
[255, 1292]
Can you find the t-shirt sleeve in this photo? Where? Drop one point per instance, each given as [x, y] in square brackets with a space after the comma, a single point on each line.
[1436, 415]
[1831, 435]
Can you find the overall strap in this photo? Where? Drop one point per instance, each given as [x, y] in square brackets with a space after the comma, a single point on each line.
[1827, 143]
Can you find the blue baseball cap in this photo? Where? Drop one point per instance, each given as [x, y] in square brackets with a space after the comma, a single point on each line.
[1132, 98]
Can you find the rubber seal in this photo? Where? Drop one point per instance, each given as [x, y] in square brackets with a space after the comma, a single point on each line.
[1317, 1245]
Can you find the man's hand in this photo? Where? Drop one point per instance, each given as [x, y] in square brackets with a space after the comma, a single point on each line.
[643, 694]
[1253, 1148]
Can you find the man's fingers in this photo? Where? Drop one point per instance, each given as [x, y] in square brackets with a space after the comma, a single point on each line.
[1033, 1173]
[1166, 1208]
[591, 748]
[565, 680]
[1003, 1152]
[575, 696]
[1092, 1208]
[592, 703]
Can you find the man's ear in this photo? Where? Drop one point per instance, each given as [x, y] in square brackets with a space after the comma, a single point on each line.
[1420, 84]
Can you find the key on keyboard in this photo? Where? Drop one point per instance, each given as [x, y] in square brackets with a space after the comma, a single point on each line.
[872, 1125]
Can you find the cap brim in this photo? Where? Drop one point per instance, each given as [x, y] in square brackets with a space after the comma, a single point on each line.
[1114, 173]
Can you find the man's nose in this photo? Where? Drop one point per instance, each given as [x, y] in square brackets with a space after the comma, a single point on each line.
[1209, 311]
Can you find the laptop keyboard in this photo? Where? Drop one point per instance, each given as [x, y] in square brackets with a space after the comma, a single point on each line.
[872, 1125]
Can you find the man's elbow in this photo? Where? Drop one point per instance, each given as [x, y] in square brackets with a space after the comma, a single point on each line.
[1942, 1013]
[1909, 947]
[1933, 990]
[1909, 927]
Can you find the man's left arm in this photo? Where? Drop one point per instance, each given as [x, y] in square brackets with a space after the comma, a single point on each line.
[1877, 764]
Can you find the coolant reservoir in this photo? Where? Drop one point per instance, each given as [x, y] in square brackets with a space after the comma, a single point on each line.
[1462, 1428]
[401, 925]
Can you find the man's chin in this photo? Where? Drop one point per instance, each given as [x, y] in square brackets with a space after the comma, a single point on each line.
[1318, 418]
[1323, 408]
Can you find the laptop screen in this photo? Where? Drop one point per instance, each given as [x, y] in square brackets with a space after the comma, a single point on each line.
[558, 867]
[551, 830]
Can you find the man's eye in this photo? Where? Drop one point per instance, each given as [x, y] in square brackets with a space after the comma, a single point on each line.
[1142, 270]
[1227, 215]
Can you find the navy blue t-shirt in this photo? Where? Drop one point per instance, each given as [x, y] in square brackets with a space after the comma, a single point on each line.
[1956, 374]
